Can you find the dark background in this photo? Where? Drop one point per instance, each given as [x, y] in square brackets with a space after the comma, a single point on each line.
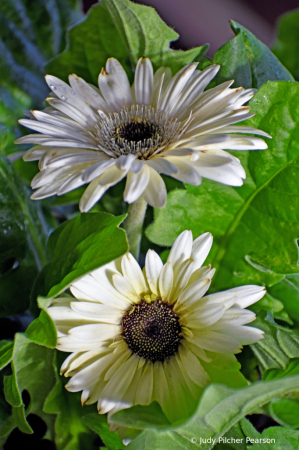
[202, 21]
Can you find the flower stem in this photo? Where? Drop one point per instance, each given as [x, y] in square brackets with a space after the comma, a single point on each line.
[133, 225]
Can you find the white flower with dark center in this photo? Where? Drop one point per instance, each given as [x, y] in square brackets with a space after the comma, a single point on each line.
[162, 124]
[142, 336]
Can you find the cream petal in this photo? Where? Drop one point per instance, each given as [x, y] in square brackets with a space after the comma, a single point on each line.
[67, 344]
[97, 312]
[131, 270]
[182, 274]
[144, 393]
[93, 333]
[224, 174]
[200, 249]
[97, 169]
[203, 317]
[124, 286]
[87, 120]
[124, 162]
[166, 281]
[234, 317]
[155, 194]
[83, 360]
[198, 351]
[89, 288]
[193, 367]
[181, 248]
[201, 274]
[144, 78]
[245, 129]
[244, 334]
[153, 267]
[215, 342]
[117, 385]
[117, 364]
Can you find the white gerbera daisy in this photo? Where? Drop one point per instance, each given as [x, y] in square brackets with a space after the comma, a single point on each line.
[142, 336]
[162, 124]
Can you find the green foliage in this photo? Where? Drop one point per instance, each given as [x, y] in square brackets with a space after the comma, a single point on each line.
[31, 36]
[278, 346]
[99, 424]
[282, 438]
[42, 330]
[248, 61]
[33, 371]
[255, 235]
[79, 246]
[219, 409]
[286, 46]
[122, 29]
[22, 241]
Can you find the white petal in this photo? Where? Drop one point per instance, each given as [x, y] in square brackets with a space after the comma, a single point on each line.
[155, 194]
[153, 267]
[162, 165]
[187, 173]
[136, 184]
[95, 311]
[144, 77]
[245, 335]
[114, 85]
[87, 92]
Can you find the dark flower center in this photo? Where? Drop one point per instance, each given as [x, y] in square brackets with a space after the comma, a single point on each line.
[152, 330]
[137, 131]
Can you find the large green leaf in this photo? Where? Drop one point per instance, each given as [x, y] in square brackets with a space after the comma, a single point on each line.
[29, 37]
[70, 432]
[286, 46]
[33, 371]
[98, 423]
[278, 346]
[123, 30]
[22, 241]
[287, 291]
[264, 65]
[79, 246]
[220, 408]
[255, 226]
[272, 437]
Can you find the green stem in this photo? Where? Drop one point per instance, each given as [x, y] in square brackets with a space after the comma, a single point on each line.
[134, 223]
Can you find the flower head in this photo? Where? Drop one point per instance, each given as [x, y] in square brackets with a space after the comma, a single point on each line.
[141, 336]
[162, 124]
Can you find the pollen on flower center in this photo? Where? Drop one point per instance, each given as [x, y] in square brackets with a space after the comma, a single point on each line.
[152, 330]
[140, 130]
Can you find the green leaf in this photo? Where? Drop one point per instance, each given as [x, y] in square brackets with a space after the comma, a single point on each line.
[273, 437]
[42, 330]
[291, 369]
[287, 292]
[29, 37]
[286, 46]
[141, 417]
[264, 65]
[99, 424]
[278, 346]
[234, 63]
[22, 241]
[33, 371]
[285, 411]
[219, 409]
[6, 351]
[254, 226]
[70, 432]
[79, 246]
[123, 30]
